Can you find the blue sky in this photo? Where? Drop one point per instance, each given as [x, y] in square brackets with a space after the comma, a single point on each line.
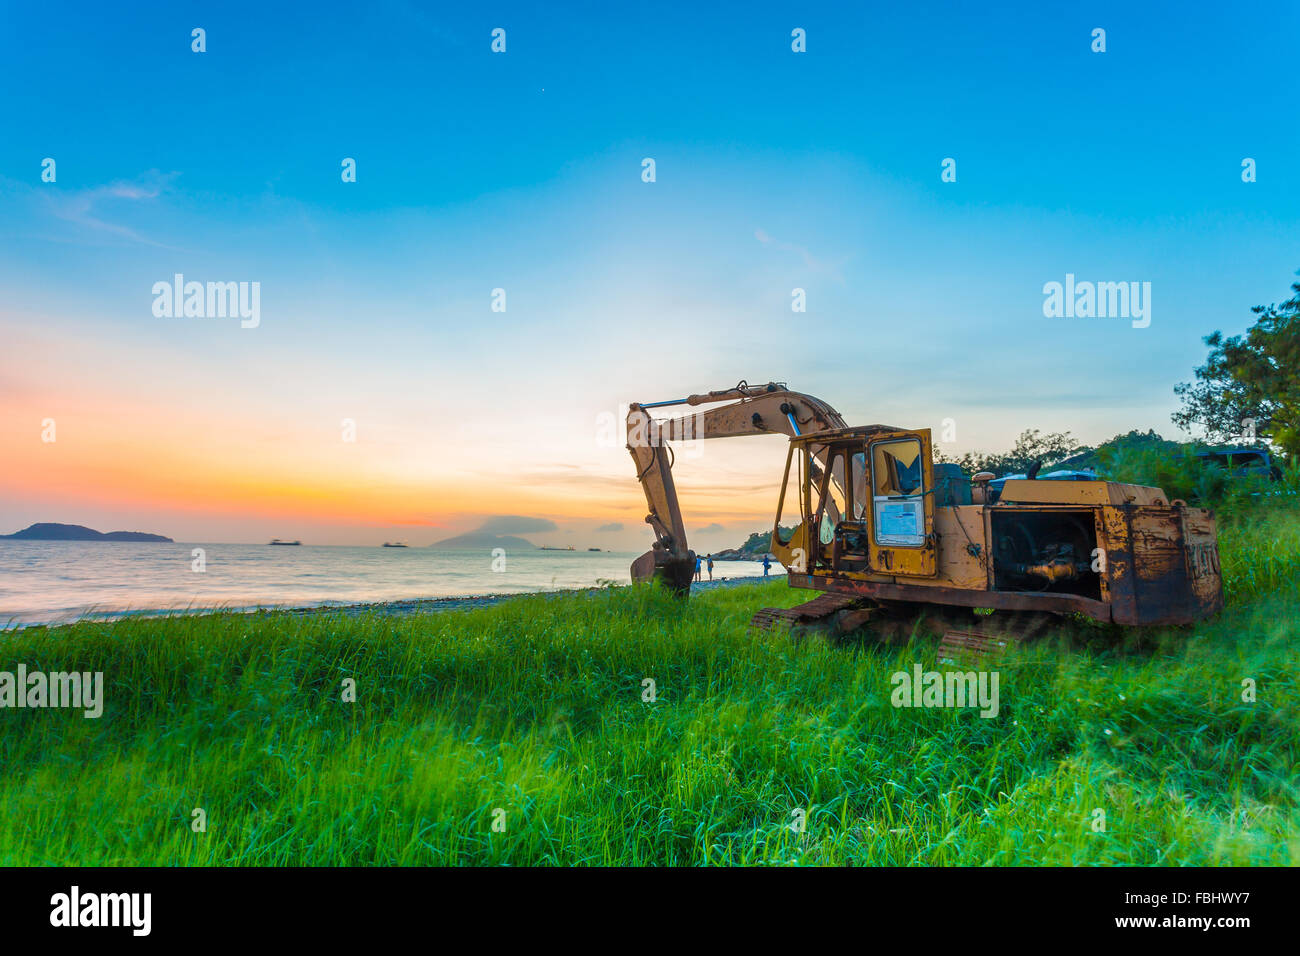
[522, 170]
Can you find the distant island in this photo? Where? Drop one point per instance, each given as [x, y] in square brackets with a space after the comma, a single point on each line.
[484, 539]
[50, 531]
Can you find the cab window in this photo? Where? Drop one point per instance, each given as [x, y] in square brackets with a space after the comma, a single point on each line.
[832, 505]
[898, 495]
[859, 486]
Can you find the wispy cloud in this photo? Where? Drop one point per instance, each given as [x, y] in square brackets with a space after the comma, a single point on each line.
[815, 264]
[84, 207]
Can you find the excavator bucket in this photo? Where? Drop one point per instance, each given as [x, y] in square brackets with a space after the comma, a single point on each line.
[674, 573]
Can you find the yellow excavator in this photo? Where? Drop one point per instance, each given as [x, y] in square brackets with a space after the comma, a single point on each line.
[879, 526]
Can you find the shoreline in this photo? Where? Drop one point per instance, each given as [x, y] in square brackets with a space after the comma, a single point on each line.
[402, 606]
[455, 603]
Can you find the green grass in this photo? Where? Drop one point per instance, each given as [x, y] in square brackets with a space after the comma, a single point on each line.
[534, 707]
[1259, 550]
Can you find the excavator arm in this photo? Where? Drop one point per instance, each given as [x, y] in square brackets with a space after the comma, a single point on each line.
[750, 410]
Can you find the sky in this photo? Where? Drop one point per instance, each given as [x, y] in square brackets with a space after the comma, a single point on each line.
[523, 171]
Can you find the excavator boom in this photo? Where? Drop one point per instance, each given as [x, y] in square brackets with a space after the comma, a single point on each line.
[749, 410]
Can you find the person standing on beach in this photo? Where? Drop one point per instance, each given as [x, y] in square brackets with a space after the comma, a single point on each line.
[767, 564]
[710, 567]
[697, 567]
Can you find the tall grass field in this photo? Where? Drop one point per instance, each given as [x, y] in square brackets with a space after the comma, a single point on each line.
[521, 734]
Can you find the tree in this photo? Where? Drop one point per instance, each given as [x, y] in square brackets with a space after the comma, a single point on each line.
[1030, 447]
[1249, 386]
[760, 541]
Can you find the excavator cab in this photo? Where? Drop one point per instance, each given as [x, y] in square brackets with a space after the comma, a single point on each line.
[864, 500]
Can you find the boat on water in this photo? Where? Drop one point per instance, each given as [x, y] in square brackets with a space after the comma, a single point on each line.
[593, 549]
[285, 543]
[395, 544]
[547, 548]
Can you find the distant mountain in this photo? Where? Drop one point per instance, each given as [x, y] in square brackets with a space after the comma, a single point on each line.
[484, 539]
[49, 531]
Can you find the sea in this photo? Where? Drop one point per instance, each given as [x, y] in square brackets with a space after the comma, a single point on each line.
[57, 582]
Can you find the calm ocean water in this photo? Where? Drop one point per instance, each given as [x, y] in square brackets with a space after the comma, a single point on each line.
[44, 582]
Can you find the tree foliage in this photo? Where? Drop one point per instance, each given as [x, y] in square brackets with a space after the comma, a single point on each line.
[759, 541]
[1031, 446]
[1251, 378]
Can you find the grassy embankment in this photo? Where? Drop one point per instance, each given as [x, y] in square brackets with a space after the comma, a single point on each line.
[535, 707]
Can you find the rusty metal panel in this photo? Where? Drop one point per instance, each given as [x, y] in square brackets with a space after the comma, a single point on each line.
[1024, 491]
[1201, 545]
[1173, 584]
[1116, 540]
[1157, 544]
[1122, 494]
[959, 528]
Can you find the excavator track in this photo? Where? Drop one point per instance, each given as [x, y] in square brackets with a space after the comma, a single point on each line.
[802, 615]
[972, 647]
[986, 643]
[963, 641]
